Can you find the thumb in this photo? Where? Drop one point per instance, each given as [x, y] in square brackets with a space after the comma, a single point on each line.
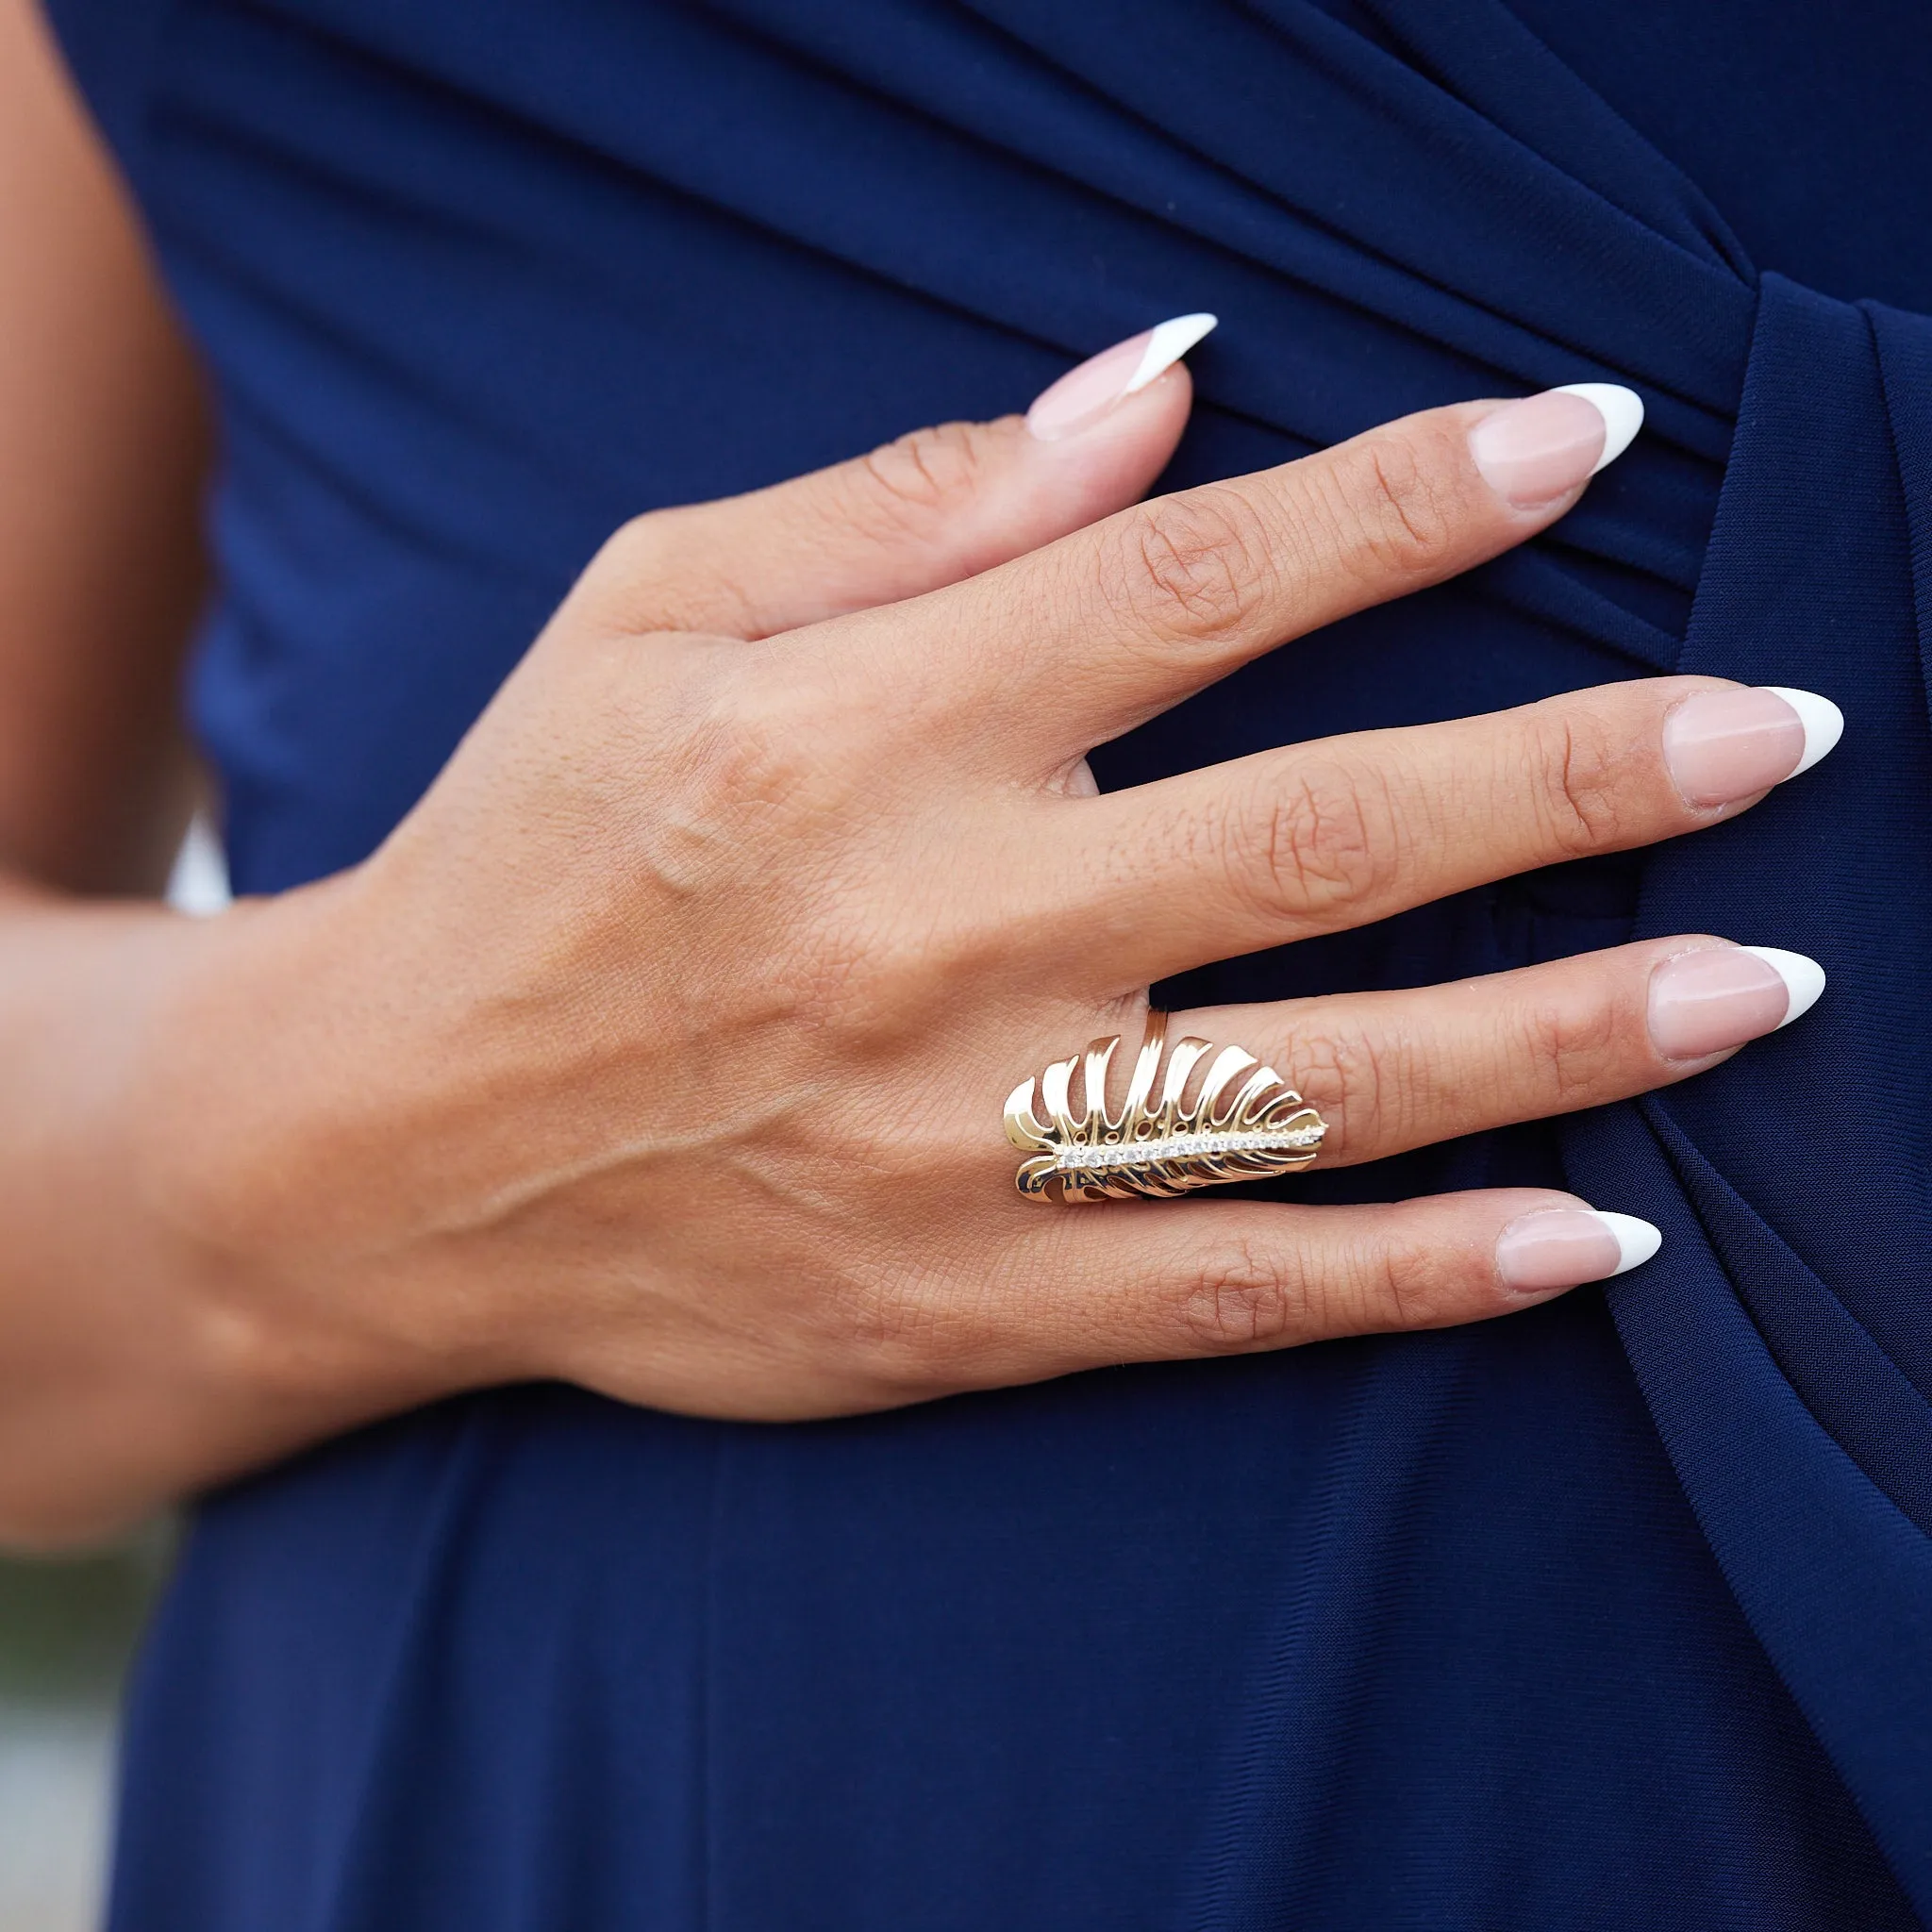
[915, 515]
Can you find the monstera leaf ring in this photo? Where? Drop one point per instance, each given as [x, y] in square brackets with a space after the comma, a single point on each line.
[1245, 1124]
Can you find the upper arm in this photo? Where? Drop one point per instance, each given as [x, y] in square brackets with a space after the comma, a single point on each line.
[103, 452]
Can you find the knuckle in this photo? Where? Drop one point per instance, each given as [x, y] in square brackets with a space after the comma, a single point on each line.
[1580, 796]
[1570, 1051]
[1396, 510]
[1244, 1297]
[930, 1330]
[880, 982]
[638, 551]
[644, 579]
[895, 1330]
[752, 783]
[864, 978]
[1327, 838]
[744, 751]
[1193, 566]
[1403, 1283]
[627, 560]
[1363, 1083]
[910, 487]
[633, 549]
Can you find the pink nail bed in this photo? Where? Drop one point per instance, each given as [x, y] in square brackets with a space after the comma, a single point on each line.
[1082, 396]
[1724, 745]
[1085, 394]
[1556, 1248]
[1532, 452]
[1704, 1001]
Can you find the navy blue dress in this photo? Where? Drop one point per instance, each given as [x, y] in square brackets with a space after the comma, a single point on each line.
[1616, 1613]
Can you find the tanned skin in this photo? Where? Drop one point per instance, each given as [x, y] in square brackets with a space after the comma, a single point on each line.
[662, 1047]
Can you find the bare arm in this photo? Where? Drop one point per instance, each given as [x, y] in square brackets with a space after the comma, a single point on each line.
[102, 451]
[126, 1376]
[103, 447]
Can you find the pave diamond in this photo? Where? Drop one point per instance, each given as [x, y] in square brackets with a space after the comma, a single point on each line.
[1181, 1146]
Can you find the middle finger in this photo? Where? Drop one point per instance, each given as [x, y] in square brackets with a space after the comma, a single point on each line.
[1083, 639]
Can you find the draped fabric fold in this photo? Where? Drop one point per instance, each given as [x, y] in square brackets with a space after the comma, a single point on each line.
[1787, 1355]
[1787, 1362]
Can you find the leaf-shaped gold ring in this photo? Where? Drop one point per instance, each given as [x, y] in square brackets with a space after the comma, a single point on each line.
[1158, 1148]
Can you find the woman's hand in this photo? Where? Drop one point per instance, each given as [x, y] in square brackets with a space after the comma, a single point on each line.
[663, 1048]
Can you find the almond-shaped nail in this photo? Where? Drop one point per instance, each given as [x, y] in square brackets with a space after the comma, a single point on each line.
[1554, 1248]
[1534, 451]
[1725, 745]
[1708, 1001]
[1082, 396]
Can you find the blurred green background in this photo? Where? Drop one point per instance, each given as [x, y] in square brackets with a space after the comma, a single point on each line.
[67, 1631]
[66, 1627]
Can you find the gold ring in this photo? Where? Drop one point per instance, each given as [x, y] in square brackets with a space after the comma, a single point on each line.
[1158, 1149]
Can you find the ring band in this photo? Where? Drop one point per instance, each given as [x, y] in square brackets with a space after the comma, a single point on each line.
[1158, 1149]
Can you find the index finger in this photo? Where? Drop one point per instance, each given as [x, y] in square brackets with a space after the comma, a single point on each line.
[1094, 634]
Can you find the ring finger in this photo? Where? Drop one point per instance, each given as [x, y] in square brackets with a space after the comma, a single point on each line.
[1393, 1071]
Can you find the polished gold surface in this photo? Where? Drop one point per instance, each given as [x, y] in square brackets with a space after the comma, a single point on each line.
[1158, 1148]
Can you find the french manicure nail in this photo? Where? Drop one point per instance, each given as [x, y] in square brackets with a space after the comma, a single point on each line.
[1555, 1249]
[1082, 396]
[1534, 451]
[1723, 746]
[1707, 1001]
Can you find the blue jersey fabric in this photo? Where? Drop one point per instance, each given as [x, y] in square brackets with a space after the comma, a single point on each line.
[1616, 1613]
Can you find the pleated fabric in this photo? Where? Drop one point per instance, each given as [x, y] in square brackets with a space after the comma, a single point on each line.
[1619, 1613]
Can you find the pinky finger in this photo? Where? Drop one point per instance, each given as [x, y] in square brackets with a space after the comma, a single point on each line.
[1163, 1281]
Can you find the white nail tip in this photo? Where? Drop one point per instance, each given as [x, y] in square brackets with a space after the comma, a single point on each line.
[1803, 979]
[1825, 724]
[1166, 345]
[1637, 1241]
[1622, 410]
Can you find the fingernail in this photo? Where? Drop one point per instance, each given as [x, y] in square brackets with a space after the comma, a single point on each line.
[1704, 1001]
[1563, 1247]
[1082, 396]
[1723, 746]
[1532, 452]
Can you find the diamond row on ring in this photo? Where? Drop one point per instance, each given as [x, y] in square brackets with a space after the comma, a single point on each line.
[1181, 1146]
